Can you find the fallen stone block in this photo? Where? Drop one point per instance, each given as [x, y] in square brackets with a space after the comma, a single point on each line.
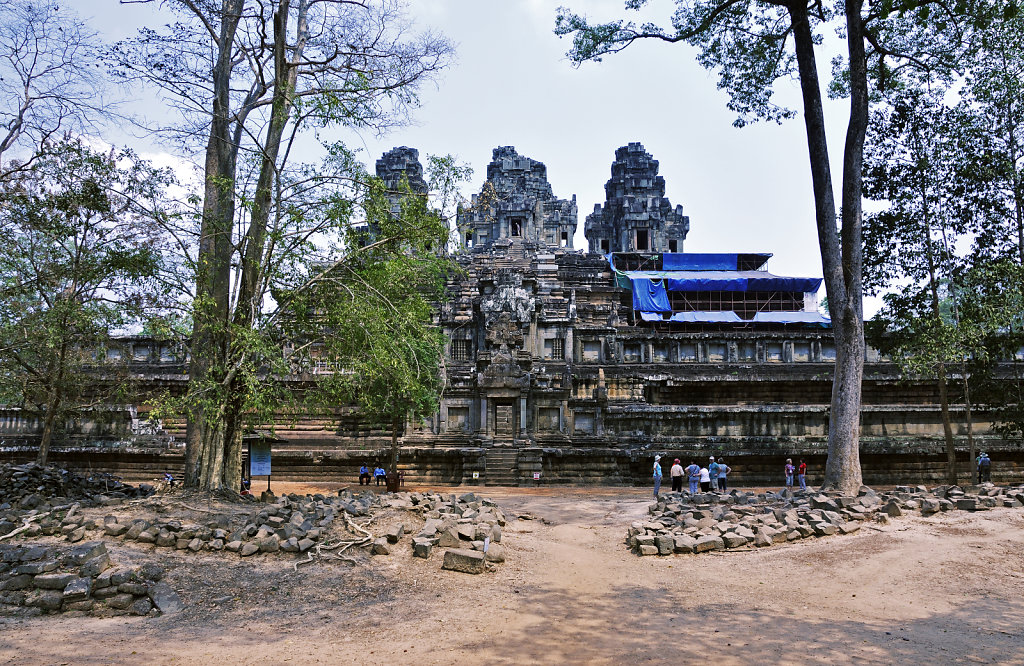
[683, 543]
[77, 589]
[496, 553]
[53, 581]
[422, 548]
[141, 606]
[733, 540]
[665, 544]
[464, 560]
[46, 599]
[708, 543]
[165, 599]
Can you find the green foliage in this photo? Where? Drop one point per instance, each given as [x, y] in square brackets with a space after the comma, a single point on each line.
[81, 259]
[368, 316]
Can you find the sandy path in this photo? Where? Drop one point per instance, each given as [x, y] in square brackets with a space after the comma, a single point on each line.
[943, 590]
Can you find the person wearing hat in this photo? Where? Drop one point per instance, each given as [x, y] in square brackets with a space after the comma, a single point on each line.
[984, 468]
[713, 473]
[677, 477]
[657, 475]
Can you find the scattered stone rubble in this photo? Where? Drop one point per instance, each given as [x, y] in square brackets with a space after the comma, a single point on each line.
[290, 524]
[467, 527]
[681, 523]
[37, 579]
[30, 486]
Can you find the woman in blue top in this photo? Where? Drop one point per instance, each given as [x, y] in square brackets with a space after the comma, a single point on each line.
[657, 476]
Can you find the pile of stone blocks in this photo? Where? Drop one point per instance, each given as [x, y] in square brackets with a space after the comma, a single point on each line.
[292, 524]
[467, 528]
[32, 486]
[82, 579]
[684, 523]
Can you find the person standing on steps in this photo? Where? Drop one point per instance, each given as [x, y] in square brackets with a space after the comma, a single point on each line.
[801, 474]
[789, 469]
[677, 477]
[723, 472]
[712, 473]
[657, 475]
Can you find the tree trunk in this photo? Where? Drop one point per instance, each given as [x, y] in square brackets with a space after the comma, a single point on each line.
[205, 444]
[841, 257]
[49, 423]
[396, 425]
[947, 426]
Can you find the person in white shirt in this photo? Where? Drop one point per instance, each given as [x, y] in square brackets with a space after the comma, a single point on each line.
[705, 480]
[677, 477]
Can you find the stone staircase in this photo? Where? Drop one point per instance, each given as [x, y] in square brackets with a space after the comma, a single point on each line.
[501, 467]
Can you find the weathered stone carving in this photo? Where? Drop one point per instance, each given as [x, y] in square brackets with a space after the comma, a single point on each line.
[516, 204]
[636, 216]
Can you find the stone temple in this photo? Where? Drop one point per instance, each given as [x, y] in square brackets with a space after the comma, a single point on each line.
[576, 366]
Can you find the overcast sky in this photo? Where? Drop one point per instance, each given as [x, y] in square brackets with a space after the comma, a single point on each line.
[745, 190]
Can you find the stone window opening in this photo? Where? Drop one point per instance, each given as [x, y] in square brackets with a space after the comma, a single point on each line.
[460, 350]
[606, 246]
[565, 239]
[516, 227]
[469, 239]
[641, 240]
[673, 245]
[554, 348]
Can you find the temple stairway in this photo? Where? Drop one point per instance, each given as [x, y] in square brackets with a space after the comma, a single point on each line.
[501, 467]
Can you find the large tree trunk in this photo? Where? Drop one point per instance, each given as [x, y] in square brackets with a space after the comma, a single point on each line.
[841, 256]
[205, 444]
[49, 424]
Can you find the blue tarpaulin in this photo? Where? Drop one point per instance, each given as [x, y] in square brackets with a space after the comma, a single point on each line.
[792, 318]
[729, 317]
[692, 261]
[725, 281]
[738, 281]
[650, 295]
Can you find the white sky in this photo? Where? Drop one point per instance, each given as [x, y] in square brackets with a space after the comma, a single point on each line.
[745, 190]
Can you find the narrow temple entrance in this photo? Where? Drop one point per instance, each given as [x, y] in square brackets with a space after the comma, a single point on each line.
[504, 426]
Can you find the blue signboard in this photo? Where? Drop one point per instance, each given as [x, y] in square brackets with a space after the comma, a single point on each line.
[259, 460]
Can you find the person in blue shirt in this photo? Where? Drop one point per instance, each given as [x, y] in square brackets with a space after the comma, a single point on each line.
[984, 468]
[713, 472]
[364, 475]
[693, 473]
[657, 475]
[378, 474]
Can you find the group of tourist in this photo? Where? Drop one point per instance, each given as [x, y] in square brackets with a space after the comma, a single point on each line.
[378, 474]
[706, 479]
[800, 471]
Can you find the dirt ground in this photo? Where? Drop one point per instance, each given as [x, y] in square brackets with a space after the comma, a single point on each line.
[945, 589]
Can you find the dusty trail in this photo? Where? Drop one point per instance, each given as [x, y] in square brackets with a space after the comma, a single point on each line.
[944, 590]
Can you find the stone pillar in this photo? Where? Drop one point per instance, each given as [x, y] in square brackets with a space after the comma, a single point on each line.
[484, 430]
[522, 415]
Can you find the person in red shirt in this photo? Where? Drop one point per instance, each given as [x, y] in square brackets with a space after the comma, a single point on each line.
[801, 474]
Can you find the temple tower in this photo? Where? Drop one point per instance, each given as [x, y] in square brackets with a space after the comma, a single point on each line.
[516, 203]
[636, 216]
